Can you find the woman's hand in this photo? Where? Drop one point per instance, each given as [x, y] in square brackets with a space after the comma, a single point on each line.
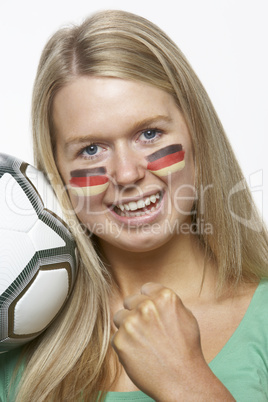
[158, 343]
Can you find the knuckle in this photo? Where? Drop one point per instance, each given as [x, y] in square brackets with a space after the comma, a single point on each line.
[167, 295]
[129, 324]
[146, 308]
[117, 342]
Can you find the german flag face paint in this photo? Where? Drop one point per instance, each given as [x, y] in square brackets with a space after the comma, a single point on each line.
[88, 182]
[167, 160]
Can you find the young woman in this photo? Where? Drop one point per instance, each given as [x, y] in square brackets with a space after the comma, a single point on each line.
[171, 300]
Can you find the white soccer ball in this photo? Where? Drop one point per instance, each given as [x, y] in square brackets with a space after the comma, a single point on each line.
[37, 254]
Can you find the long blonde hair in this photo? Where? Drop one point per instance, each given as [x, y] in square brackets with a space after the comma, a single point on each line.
[70, 361]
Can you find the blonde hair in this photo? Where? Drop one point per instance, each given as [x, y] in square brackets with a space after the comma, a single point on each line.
[70, 361]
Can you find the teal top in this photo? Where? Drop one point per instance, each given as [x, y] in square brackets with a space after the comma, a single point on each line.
[241, 365]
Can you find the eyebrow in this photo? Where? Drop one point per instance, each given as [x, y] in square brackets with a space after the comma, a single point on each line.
[143, 124]
[151, 121]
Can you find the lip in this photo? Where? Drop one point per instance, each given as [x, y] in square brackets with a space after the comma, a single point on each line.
[140, 220]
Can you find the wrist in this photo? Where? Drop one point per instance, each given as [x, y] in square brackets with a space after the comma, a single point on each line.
[201, 385]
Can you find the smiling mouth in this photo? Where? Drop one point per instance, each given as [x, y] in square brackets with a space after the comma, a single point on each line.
[144, 206]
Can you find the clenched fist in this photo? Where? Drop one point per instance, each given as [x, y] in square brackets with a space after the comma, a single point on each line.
[158, 343]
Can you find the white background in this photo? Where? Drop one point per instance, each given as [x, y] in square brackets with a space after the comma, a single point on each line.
[226, 41]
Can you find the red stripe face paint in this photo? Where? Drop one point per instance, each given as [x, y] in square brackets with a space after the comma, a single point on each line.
[167, 160]
[88, 182]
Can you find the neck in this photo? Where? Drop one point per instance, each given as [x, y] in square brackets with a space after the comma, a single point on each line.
[178, 264]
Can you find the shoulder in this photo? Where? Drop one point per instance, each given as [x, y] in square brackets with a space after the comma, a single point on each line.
[258, 309]
[259, 300]
[241, 365]
[263, 287]
[255, 298]
[9, 362]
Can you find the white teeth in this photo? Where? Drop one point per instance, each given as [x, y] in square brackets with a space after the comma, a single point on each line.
[133, 206]
[131, 214]
[141, 204]
[153, 198]
[139, 213]
[147, 201]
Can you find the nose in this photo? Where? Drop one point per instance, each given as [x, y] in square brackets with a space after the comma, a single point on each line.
[128, 166]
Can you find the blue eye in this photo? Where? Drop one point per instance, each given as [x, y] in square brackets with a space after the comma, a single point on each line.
[149, 134]
[91, 149]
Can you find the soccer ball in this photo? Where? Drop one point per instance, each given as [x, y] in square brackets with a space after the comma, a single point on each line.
[37, 254]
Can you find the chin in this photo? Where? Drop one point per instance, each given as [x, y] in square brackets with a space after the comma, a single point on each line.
[136, 243]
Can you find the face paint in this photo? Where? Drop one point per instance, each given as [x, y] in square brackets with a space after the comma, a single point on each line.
[87, 182]
[167, 160]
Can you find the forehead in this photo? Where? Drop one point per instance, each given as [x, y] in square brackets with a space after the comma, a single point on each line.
[100, 103]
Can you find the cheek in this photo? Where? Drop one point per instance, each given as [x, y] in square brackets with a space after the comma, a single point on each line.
[88, 208]
[87, 188]
[181, 189]
[167, 160]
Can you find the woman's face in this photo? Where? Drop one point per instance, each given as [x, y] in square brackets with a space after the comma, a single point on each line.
[125, 154]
